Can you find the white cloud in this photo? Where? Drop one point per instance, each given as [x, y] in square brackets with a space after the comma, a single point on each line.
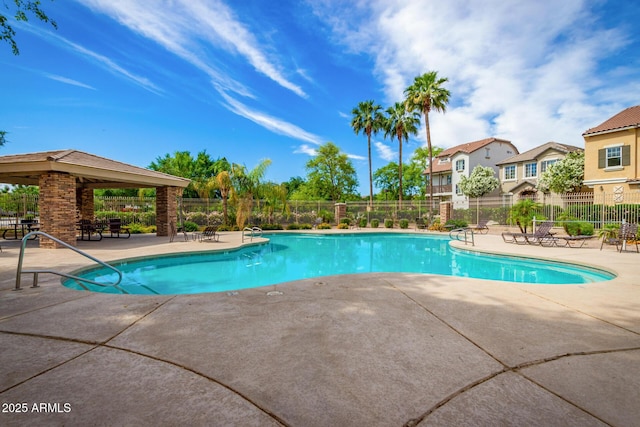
[271, 123]
[190, 28]
[528, 71]
[305, 149]
[68, 81]
[385, 152]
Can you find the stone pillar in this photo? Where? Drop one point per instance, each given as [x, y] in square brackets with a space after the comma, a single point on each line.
[85, 203]
[340, 211]
[166, 209]
[446, 212]
[57, 205]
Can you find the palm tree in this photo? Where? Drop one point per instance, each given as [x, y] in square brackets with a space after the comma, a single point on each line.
[245, 186]
[224, 185]
[368, 118]
[399, 123]
[426, 94]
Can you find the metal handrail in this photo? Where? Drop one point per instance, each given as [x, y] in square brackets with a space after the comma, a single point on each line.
[459, 232]
[20, 271]
[255, 231]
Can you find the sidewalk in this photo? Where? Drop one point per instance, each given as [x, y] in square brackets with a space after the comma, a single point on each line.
[371, 349]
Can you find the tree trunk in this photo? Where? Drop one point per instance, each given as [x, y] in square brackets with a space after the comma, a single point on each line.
[370, 173]
[426, 122]
[400, 170]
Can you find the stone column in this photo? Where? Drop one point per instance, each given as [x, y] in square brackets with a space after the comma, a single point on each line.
[57, 205]
[85, 203]
[166, 209]
[446, 212]
[340, 211]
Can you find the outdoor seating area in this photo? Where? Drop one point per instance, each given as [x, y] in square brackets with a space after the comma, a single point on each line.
[18, 230]
[95, 230]
[541, 236]
[627, 235]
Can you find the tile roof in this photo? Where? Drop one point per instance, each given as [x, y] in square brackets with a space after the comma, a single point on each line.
[468, 148]
[537, 152]
[624, 119]
[92, 165]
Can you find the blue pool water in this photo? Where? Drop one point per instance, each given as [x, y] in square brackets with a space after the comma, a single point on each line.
[297, 256]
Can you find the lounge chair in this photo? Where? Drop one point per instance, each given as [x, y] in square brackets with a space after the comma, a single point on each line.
[541, 236]
[574, 241]
[628, 233]
[210, 233]
[115, 228]
[481, 227]
[420, 224]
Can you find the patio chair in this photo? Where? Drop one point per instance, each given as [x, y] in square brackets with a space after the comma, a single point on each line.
[481, 227]
[575, 241]
[420, 224]
[539, 237]
[115, 228]
[628, 234]
[88, 228]
[317, 222]
[210, 233]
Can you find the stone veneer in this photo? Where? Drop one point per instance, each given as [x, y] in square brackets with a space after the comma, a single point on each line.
[85, 203]
[57, 205]
[166, 208]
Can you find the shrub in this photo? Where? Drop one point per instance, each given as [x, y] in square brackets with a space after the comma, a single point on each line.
[293, 226]
[271, 226]
[362, 222]
[374, 223]
[325, 215]
[228, 228]
[324, 226]
[404, 223]
[343, 226]
[388, 223]
[189, 226]
[199, 218]
[579, 228]
[136, 228]
[346, 221]
[306, 226]
[456, 223]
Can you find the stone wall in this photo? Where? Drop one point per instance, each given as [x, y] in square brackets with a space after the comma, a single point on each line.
[166, 208]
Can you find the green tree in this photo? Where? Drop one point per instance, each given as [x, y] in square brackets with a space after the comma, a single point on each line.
[426, 94]
[481, 181]
[368, 119]
[23, 8]
[400, 123]
[275, 199]
[564, 176]
[199, 169]
[224, 186]
[387, 180]
[330, 174]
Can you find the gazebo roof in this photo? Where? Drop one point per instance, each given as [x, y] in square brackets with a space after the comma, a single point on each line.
[91, 170]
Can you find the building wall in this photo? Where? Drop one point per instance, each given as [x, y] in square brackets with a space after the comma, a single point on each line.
[616, 178]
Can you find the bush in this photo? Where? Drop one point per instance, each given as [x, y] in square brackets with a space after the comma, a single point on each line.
[363, 222]
[325, 215]
[456, 223]
[306, 226]
[271, 226]
[136, 228]
[375, 223]
[579, 228]
[343, 226]
[404, 223]
[228, 228]
[324, 226]
[388, 223]
[189, 226]
[293, 226]
[346, 221]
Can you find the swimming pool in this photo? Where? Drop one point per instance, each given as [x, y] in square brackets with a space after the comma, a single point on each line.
[294, 256]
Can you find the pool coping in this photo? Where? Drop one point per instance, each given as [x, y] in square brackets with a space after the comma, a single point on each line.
[438, 351]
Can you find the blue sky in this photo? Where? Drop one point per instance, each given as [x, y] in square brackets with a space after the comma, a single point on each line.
[255, 79]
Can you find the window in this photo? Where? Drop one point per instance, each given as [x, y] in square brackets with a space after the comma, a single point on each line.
[614, 156]
[449, 179]
[459, 165]
[544, 165]
[510, 172]
[531, 170]
[487, 154]
[458, 191]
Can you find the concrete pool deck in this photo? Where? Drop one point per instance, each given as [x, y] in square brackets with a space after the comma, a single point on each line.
[370, 349]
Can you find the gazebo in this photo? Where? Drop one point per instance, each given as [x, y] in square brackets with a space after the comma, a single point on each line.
[67, 179]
